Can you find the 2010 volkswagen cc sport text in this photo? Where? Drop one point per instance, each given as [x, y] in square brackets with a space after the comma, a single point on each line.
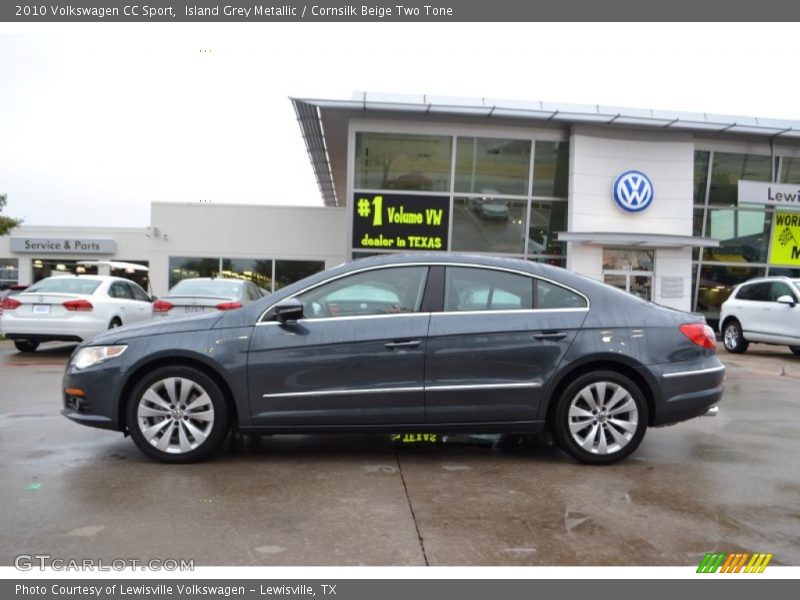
[428, 342]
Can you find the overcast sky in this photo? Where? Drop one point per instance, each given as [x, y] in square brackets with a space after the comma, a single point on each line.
[97, 121]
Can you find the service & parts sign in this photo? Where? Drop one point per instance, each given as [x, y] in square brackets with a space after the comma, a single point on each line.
[400, 222]
[785, 242]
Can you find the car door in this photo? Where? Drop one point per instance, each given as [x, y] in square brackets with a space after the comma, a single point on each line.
[355, 358]
[122, 301]
[754, 309]
[782, 319]
[499, 338]
[141, 307]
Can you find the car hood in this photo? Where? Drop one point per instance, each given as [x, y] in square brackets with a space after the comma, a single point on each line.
[160, 327]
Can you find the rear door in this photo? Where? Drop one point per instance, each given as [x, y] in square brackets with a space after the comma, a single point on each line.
[356, 358]
[754, 309]
[499, 338]
[141, 307]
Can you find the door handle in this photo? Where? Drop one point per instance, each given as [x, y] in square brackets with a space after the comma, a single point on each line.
[408, 344]
[550, 335]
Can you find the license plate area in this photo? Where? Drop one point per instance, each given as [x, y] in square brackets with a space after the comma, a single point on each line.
[41, 309]
[194, 309]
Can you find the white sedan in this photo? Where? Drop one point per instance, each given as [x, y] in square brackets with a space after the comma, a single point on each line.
[72, 308]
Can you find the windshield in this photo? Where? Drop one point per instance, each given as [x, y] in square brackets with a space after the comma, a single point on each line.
[65, 285]
[207, 287]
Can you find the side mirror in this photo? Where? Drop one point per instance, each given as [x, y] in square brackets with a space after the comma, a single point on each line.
[289, 310]
[786, 299]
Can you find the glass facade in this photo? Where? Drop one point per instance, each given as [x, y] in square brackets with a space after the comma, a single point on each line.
[9, 272]
[266, 273]
[508, 195]
[742, 230]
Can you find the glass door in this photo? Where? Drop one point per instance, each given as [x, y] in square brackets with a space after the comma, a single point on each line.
[629, 270]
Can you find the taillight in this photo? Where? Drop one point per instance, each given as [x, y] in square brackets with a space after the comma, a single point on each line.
[700, 334]
[10, 304]
[162, 306]
[78, 305]
[228, 305]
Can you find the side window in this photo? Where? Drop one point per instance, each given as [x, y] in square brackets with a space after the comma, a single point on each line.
[756, 291]
[138, 293]
[255, 293]
[468, 288]
[550, 295]
[120, 290]
[780, 289]
[377, 292]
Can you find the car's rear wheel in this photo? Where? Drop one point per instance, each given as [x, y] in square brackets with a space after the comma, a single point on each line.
[177, 415]
[600, 418]
[26, 346]
[795, 350]
[733, 338]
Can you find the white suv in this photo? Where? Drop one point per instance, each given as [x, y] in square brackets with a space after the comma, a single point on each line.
[762, 310]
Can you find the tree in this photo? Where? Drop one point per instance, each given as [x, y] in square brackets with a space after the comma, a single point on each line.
[6, 223]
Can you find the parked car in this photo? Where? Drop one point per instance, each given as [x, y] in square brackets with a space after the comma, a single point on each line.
[425, 343]
[202, 294]
[71, 308]
[762, 310]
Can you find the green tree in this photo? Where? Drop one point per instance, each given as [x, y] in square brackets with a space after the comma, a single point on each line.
[6, 223]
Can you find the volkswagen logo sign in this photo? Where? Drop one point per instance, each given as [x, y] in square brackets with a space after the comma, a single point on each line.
[633, 191]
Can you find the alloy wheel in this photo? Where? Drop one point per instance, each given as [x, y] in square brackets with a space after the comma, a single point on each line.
[603, 417]
[175, 415]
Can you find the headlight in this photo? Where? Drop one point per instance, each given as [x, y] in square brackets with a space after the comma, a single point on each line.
[91, 355]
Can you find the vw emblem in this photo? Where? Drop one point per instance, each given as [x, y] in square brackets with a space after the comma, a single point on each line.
[633, 191]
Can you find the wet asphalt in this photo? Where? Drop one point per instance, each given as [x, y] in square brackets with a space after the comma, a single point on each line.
[726, 483]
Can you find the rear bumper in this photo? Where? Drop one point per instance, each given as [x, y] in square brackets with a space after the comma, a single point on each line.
[72, 330]
[688, 390]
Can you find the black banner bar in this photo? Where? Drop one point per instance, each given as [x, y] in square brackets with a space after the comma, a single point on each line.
[444, 11]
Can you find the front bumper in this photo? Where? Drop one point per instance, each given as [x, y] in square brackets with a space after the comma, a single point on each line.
[688, 389]
[97, 403]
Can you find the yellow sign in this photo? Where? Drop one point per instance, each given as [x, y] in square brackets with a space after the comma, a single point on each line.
[785, 242]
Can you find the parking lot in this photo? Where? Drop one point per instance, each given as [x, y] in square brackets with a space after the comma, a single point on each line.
[725, 483]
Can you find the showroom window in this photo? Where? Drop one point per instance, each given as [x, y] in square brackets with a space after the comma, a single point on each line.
[394, 161]
[9, 272]
[492, 166]
[46, 267]
[551, 169]
[487, 224]
[790, 169]
[266, 273]
[728, 168]
[742, 235]
[289, 271]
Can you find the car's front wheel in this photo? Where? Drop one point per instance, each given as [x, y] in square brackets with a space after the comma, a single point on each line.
[177, 415]
[600, 418]
[26, 346]
[733, 338]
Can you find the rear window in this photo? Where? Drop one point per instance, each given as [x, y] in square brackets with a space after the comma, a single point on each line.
[65, 285]
[217, 288]
[758, 292]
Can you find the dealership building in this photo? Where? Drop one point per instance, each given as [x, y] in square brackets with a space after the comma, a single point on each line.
[674, 207]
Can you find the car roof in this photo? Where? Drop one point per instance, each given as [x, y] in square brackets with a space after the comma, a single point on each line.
[224, 279]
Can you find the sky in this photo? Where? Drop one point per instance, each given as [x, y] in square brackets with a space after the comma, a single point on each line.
[99, 120]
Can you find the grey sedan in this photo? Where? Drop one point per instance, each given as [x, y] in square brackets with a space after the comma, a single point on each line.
[427, 343]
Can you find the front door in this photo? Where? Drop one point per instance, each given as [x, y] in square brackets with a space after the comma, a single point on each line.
[629, 270]
[357, 356]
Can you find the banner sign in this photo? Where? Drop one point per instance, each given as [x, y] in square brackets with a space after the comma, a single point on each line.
[63, 246]
[400, 222]
[785, 240]
[771, 194]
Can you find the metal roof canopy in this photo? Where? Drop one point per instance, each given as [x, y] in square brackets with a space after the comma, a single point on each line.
[648, 240]
[310, 119]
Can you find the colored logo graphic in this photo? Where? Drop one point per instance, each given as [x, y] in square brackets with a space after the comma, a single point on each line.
[786, 236]
[633, 191]
[738, 562]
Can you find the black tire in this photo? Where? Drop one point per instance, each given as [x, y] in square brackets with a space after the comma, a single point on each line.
[599, 427]
[115, 322]
[26, 346]
[733, 337]
[215, 432]
[795, 350]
